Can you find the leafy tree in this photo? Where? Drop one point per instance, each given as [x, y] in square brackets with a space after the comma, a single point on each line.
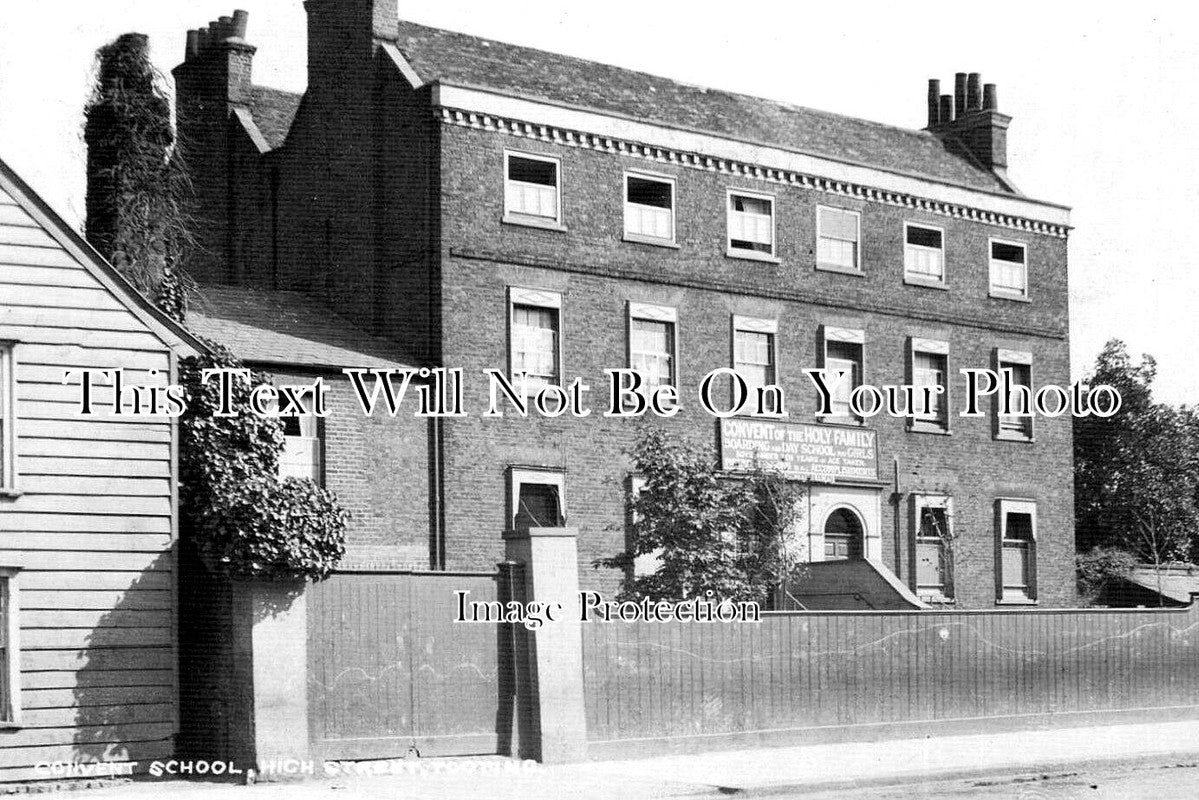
[710, 532]
[242, 520]
[139, 196]
[1137, 472]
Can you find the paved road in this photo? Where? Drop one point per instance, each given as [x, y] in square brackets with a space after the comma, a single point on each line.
[1152, 781]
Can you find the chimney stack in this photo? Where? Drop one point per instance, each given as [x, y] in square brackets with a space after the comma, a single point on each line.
[343, 38]
[990, 98]
[969, 121]
[974, 99]
[946, 109]
[934, 98]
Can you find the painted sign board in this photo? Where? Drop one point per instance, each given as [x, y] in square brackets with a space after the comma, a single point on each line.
[799, 450]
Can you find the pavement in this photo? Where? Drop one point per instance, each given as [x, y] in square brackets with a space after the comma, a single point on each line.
[824, 770]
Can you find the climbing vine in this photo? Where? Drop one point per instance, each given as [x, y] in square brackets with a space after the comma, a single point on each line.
[242, 520]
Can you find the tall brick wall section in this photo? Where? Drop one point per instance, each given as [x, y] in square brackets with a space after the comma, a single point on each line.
[483, 256]
[379, 469]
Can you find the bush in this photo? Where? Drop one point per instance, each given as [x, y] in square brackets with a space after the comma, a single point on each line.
[240, 518]
[711, 532]
[1099, 568]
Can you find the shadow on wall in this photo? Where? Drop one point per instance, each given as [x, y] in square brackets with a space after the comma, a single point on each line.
[123, 684]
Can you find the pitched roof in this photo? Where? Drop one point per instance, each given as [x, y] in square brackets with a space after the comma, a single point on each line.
[473, 62]
[285, 327]
[173, 335]
[273, 111]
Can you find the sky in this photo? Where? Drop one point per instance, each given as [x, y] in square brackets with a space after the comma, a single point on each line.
[1102, 96]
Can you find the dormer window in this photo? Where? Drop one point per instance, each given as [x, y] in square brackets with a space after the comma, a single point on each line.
[532, 190]
[649, 209]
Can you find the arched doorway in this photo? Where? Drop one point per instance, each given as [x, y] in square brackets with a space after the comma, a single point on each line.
[843, 535]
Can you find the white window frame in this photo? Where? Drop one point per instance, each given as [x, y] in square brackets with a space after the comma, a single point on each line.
[538, 298]
[1007, 358]
[753, 255]
[1003, 291]
[742, 324]
[630, 236]
[8, 416]
[936, 347]
[828, 267]
[315, 443]
[545, 476]
[654, 313]
[534, 220]
[923, 278]
[849, 336]
[1017, 505]
[919, 503]
[10, 717]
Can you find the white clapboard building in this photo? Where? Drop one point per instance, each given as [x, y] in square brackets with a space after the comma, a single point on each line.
[88, 507]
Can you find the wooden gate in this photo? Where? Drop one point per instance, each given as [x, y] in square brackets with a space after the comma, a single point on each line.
[389, 670]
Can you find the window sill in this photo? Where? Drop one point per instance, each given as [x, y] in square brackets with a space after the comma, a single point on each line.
[1009, 437]
[637, 238]
[842, 270]
[1016, 601]
[999, 294]
[752, 255]
[846, 421]
[936, 599]
[935, 431]
[534, 222]
[925, 283]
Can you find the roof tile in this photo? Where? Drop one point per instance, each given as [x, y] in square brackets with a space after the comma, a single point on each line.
[285, 327]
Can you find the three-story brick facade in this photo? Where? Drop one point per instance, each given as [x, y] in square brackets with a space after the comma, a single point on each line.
[488, 206]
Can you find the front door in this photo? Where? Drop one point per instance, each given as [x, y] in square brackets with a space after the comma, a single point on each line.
[842, 536]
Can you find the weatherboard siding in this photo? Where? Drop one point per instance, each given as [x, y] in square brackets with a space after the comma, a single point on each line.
[93, 525]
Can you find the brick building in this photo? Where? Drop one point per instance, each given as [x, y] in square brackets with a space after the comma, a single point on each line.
[482, 205]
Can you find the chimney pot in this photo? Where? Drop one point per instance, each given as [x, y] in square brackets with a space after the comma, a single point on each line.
[193, 45]
[974, 100]
[959, 94]
[241, 20]
[934, 96]
[990, 97]
[203, 39]
[946, 108]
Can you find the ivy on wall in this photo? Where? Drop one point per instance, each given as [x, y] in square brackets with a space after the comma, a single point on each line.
[243, 521]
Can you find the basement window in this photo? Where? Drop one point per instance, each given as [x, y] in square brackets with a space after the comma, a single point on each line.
[751, 225]
[532, 190]
[1009, 270]
[649, 209]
